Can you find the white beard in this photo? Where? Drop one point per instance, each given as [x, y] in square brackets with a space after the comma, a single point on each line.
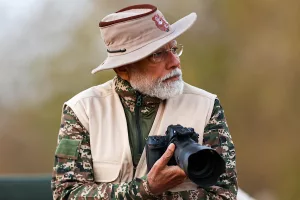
[157, 88]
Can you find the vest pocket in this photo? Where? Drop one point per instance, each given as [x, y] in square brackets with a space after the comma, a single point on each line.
[106, 172]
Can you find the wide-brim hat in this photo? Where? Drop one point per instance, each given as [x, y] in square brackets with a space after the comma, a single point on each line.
[135, 32]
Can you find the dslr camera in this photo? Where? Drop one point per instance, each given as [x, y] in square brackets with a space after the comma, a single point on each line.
[203, 165]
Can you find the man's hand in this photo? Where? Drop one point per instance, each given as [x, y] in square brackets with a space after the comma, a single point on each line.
[163, 177]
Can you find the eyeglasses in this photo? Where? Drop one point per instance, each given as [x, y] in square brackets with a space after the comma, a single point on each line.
[163, 53]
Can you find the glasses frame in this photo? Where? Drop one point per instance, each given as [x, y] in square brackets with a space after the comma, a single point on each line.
[155, 59]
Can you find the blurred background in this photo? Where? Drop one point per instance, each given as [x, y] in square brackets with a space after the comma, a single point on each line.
[246, 52]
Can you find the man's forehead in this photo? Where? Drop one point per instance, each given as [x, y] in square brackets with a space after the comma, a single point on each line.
[172, 43]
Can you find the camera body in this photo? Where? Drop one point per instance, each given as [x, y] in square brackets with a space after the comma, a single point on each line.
[157, 145]
[202, 164]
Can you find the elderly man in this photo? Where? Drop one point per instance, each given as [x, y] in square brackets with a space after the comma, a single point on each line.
[100, 152]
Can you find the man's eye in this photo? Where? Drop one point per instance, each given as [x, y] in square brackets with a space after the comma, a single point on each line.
[174, 49]
[157, 54]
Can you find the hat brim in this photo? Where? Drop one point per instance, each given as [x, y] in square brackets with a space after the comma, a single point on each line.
[179, 27]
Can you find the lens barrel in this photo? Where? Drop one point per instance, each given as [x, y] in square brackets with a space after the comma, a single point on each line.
[203, 165]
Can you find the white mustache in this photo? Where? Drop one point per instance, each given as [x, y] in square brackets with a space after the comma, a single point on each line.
[175, 72]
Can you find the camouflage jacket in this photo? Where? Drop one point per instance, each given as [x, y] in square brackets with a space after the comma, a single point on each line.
[73, 176]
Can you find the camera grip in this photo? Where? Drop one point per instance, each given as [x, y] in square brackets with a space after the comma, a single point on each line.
[155, 148]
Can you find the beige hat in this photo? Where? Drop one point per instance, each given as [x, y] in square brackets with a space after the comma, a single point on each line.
[135, 32]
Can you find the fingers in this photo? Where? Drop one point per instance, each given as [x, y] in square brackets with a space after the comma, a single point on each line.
[177, 172]
[163, 161]
[161, 180]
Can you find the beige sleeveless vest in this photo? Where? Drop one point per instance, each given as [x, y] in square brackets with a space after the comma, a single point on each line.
[100, 111]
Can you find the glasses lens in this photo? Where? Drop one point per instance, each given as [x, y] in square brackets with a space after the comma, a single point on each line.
[158, 56]
[178, 50]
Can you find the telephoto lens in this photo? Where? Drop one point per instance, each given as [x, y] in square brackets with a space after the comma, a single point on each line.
[203, 165]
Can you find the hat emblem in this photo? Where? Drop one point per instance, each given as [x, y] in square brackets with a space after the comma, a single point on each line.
[161, 23]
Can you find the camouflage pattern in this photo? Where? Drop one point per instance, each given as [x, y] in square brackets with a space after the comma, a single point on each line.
[128, 97]
[73, 178]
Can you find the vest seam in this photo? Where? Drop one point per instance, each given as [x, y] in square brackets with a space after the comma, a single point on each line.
[211, 107]
[202, 95]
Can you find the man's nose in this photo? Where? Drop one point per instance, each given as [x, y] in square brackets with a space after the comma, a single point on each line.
[173, 61]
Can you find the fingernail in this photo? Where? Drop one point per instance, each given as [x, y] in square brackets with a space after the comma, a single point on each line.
[171, 146]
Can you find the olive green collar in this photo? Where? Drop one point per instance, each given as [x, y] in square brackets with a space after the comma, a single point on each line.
[128, 96]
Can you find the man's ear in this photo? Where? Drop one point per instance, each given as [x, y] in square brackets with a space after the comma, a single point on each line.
[122, 72]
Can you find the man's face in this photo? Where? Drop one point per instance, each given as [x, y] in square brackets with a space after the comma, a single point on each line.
[158, 79]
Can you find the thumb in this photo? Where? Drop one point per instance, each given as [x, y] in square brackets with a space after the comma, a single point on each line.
[163, 161]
